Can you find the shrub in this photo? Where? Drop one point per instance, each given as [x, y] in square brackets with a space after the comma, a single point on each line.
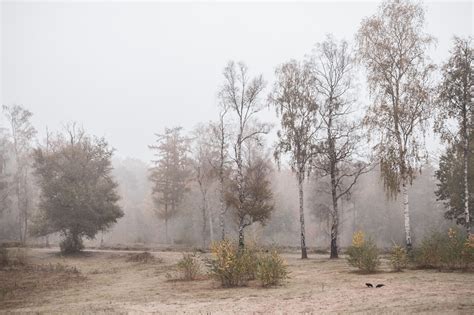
[451, 250]
[189, 266]
[271, 269]
[398, 258]
[363, 253]
[71, 244]
[233, 266]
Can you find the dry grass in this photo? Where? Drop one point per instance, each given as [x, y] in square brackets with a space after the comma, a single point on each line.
[143, 258]
[108, 283]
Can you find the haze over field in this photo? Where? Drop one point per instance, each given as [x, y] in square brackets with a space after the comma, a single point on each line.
[154, 155]
[127, 70]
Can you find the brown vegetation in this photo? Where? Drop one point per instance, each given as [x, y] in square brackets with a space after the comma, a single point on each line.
[107, 282]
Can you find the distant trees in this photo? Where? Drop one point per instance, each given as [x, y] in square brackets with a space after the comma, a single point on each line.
[339, 137]
[219, 138]
[78, 194]
[171, 173]
[294, 99]
[22, 133]
[454, 124]
[4, 178]
[241, 95]
[392, 46]
[203, 157]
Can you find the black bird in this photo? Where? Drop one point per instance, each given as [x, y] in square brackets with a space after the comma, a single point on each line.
[379, 285]
[369, 285]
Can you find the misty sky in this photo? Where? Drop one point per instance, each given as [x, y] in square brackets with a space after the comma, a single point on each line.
[127, 70]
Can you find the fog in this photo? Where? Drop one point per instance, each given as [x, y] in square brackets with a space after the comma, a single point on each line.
[125, 71]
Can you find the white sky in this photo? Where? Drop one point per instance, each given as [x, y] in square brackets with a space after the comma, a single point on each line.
[126, 70]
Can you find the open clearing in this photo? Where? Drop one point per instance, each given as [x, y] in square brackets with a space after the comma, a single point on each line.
[108, 281]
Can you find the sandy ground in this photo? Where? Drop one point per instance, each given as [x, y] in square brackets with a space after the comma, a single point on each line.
[108, 282]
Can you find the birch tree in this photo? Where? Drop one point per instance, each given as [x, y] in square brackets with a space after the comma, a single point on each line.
[219, 139]
[241, 95]
[204, 155]
[171, 173]
[294, 99]
[339, 137]
[455, 111]
[392, 46]
[22, 134]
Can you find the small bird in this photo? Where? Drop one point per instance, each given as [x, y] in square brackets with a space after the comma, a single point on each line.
[379, 285]
[369, 285]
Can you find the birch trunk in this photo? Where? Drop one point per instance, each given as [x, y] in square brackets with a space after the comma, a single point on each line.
[222, 203]
[204, 220]
[406, 214]
[466, 181]
[241, 234]
[335, 220]
[304, 253]
[211, 229]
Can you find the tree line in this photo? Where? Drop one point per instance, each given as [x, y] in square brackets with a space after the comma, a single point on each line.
[324, 131]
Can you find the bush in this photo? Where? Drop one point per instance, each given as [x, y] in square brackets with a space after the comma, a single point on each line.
[271, 269]
[189, 266]
[233, 266]
[398, 258]
[451, 250]
[71, 244]
[363, 253]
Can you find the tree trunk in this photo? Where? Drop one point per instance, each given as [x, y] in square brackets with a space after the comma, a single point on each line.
[304, 253]
[25, 209]
[20, 212]
[211, 229]
[406, 213]
[166, 224]
[222, 205]
[466, 172]
[335, 220]
[204, 221]
[241, 235]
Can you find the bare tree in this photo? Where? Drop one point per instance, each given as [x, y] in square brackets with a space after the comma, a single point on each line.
[219, 140]
[240, 95]
[204, 155]
[294, 98]
[22, 134]
[455, 109]
[392, 46]
[332, 66]
[171, 173]
[4, 178]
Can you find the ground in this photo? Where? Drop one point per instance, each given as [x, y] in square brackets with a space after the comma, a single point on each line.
[107, 281]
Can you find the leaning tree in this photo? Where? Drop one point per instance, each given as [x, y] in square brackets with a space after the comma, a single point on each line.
[392, 46]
